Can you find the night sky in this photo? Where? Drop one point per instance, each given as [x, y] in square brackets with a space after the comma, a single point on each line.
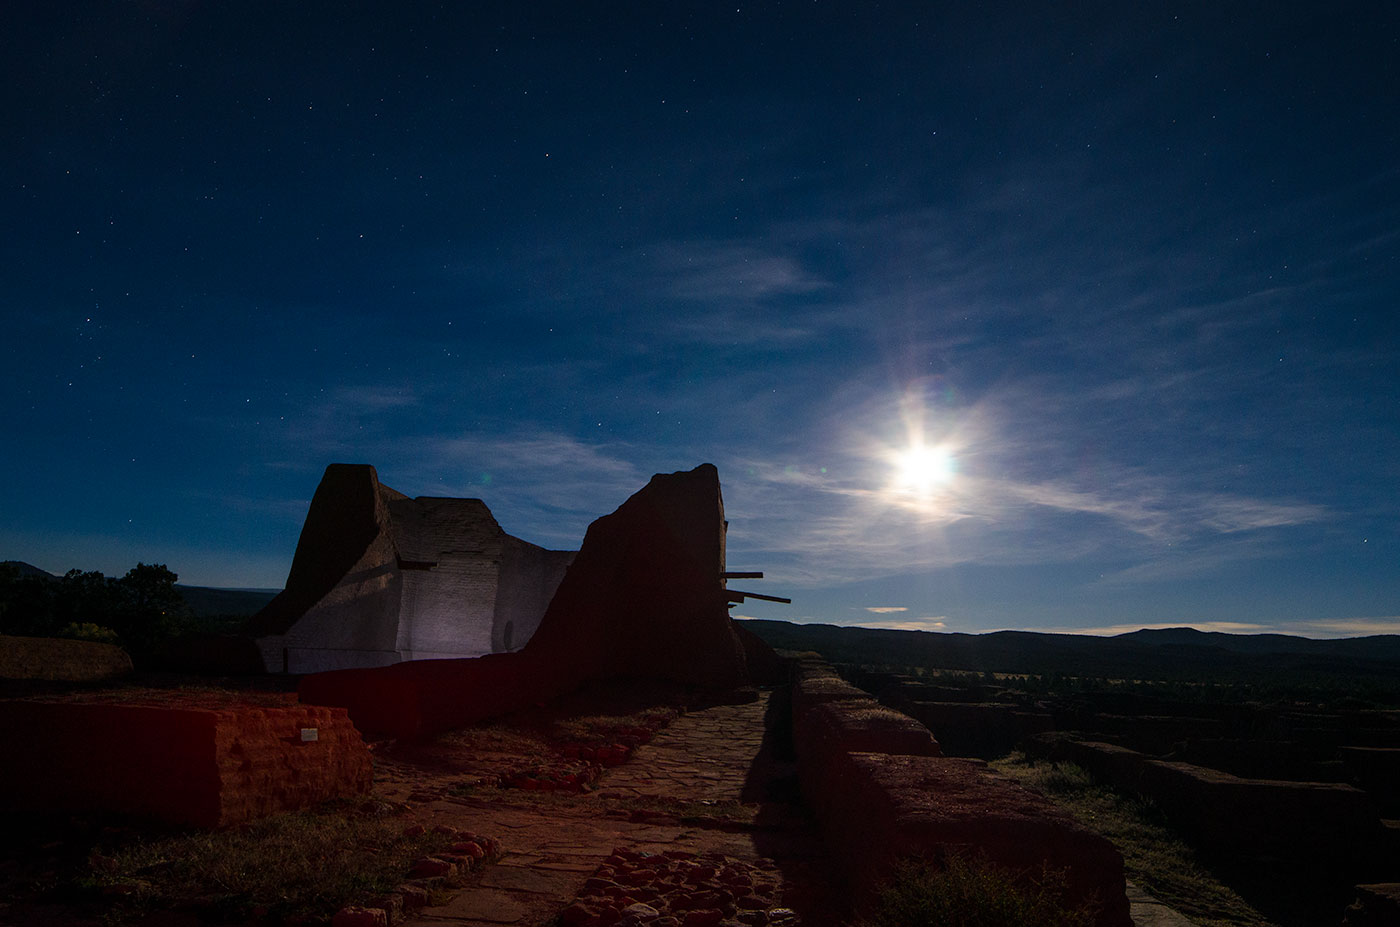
[1002, 315]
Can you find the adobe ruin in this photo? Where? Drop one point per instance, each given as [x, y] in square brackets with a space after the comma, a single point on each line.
[379, 578]
[645, 598]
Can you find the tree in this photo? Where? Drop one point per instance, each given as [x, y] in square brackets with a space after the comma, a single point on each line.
[147, 609]
[27, 603]
[143, 608]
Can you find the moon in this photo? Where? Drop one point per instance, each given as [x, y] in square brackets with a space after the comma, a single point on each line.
[921, 468]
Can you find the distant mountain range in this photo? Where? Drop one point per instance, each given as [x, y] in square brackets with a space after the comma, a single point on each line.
[1182, 653]
[203, 600]
[1175, 653]
[27, 569]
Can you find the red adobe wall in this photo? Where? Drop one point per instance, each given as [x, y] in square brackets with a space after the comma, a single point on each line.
[1325, 830]
[897, 807]
[881, 792]
[182, 764]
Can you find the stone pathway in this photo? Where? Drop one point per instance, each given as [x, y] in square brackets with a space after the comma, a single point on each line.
[714, 781]
[1147, 911]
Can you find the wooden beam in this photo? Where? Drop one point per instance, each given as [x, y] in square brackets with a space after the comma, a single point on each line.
[742, 575]
[755, 595]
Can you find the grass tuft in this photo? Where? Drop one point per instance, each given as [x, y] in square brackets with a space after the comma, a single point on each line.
[1154, 856]
[971, 892]
[306, 863]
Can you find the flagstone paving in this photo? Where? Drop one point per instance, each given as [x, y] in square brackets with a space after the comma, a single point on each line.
[716, 780]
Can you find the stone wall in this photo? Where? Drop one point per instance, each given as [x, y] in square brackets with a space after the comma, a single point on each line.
[987, 731]
[643, 599]
[881, 792]
[199, 766]
[1323, 827]
[1377, 770]
[448, 609]
[530, 576]
[379, 577]
[419, 698]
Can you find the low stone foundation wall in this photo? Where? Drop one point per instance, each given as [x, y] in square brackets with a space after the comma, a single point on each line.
[1263, 759]
[966, 729]
[895, 807]
[876, 783]
[183, 764]
[1317, 825]
[1377, 770]
[819, 685]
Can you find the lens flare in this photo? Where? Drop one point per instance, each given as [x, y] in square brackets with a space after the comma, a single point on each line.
[922, 469]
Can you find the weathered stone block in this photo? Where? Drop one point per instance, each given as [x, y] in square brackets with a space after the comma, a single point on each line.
[202, 766]
[826, 733]
[813, 688]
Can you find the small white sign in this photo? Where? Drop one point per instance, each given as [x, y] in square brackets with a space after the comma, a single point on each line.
[310, 735]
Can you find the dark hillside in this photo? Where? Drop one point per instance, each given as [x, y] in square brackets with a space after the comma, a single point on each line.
[1180, 654]
[206, 600]
[27, 569]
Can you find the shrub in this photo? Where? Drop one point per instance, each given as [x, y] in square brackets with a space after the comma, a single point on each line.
[972, 892]
[87, 631]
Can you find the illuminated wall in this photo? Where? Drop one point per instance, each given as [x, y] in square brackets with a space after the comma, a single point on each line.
[437, 578]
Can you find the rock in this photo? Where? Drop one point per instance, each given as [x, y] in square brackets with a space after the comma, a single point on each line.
[429, 867]
[641, 910]
[414, 896]
[468, 848]
[576, 914]
[392, 905]
[354, 916]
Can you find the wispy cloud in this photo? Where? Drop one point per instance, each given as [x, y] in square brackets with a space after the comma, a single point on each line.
[930, 623]
[1343, 627]
[847, 523]
[372, 398]
[1156, 512]
[542, 486]
[885, 609]
[729, 271]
